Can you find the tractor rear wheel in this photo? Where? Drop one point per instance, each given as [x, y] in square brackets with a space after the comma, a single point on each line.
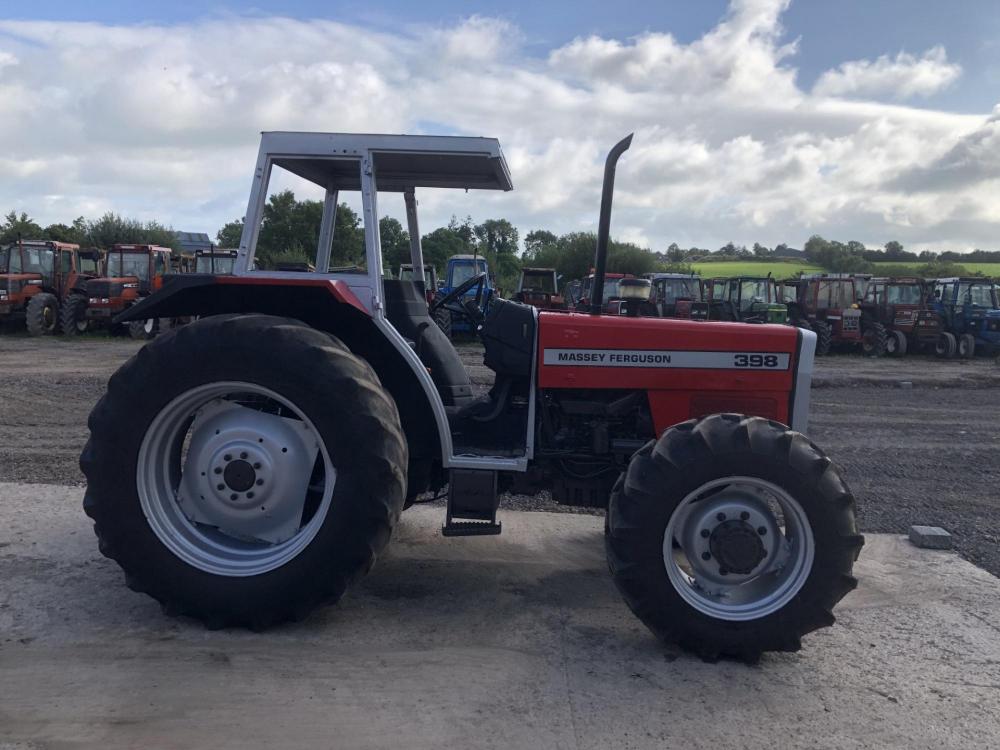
[42, 314]
[895, 344]
[824, 337]
[966, 346]
[443, 319]
[73, 316]
[946, 345]
[873, 340]
[244, 469]
[144, 329]
[732, 535]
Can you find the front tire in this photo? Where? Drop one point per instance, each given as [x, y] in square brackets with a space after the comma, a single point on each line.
[967, 346]
[42, 314]
[200, 409]
[946, 345]
[896, 344]
[684, 542]
[824, 337]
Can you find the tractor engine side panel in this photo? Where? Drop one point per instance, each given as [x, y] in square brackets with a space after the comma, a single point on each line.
[687, 369]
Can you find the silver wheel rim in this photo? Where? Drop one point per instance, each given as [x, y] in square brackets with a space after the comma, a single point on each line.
[730, 509]
[147, 327]
[234, 479]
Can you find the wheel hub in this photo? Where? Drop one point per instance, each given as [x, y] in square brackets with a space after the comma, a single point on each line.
[239, 475]
[736, 546]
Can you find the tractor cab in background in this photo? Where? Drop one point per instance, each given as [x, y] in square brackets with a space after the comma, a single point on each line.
[611, 298]
[216, 260]
[450, 310]
[903, 306]
[746, 299]
[679, 295]
[539, 287]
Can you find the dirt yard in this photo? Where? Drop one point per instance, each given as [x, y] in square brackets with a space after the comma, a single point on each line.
[923, 453]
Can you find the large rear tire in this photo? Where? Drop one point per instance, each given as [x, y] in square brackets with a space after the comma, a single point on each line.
[873, 340]
[42, 314]
[824, 337]
[443, 319]
[732, 536]
[193, 492]
[73, 316]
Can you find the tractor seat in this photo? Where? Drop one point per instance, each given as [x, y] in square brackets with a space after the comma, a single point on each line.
[406, 309]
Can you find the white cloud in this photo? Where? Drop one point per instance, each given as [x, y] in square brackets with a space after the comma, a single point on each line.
[904, 77]
[163, 122]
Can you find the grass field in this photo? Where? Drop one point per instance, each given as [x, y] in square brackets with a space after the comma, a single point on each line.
[987, 269]
[778, 269]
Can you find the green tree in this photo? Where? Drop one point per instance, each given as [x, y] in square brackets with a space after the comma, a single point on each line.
[537, 239]
[497, 236]
[289, 231]
[395, 243]
[113, 229]
[23, 227]
[760, 251]
[440, 245]
[230, 235]
[75, 233]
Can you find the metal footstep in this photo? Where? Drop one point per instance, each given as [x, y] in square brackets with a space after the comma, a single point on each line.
[472, 504]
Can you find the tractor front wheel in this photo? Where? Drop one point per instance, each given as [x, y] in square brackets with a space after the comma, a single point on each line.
[946, 345]
[873, 340]
[824, 337]
[243, 470]
[731, 536]
[966, 346]
[42, 314]
[895, 344]
[73, 316]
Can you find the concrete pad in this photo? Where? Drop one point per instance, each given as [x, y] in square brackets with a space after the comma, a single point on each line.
[512, 641]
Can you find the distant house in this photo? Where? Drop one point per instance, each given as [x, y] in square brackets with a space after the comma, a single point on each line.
[191, 242]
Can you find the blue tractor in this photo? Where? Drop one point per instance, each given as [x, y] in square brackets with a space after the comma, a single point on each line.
[467, 281]
[970, 316]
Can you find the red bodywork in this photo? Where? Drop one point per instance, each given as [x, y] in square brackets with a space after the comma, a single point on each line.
[677, 391]
[109, 295]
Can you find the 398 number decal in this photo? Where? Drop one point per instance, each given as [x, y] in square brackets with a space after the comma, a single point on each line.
[755, 360]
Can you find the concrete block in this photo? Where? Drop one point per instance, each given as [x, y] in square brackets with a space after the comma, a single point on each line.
[930, 537]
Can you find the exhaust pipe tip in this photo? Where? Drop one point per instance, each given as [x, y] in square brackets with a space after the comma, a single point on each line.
[604, 223]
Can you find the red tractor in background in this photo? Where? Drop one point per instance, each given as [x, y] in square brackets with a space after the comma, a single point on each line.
[679, 295]
[132, 272]
[37, 278]
[831, 305]
[903, 306]
[539, 287]
[249, 467]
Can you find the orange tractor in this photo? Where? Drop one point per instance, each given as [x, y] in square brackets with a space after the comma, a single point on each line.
[36, 279]
[132, 273]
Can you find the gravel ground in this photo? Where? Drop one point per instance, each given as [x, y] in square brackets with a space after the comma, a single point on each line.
[925, 454]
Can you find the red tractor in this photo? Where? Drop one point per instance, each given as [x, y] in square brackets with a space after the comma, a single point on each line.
[903, 306]
[250, 466]
[831, 305]
[539, 287]
[132, 273]
[679, 295]
[37, 276]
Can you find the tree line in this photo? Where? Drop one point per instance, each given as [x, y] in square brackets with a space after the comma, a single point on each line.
[104, 232]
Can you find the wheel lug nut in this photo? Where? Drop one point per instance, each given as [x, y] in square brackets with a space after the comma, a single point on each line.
[721, 517]
[234, 496]
[705, 533]
[250, 495]
[260, 482]
[243, 455]
[706, 555]
[220, 487]
[761, 530]
[227, 457]
[744, 516]
[257, 465]
[218, 469]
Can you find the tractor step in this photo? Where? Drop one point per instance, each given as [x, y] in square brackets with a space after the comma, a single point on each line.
[472, 503]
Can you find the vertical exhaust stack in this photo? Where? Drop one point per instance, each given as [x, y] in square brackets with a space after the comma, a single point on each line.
[604, 224]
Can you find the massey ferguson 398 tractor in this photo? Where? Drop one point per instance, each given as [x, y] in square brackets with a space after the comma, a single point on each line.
[250, 466]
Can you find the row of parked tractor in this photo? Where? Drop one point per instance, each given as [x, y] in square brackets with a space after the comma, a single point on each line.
[878, 315]
[57, 287]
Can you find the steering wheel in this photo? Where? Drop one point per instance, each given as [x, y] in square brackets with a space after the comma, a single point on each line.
[471, 308]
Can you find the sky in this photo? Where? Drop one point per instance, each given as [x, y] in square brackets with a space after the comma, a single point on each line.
[755, 120]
